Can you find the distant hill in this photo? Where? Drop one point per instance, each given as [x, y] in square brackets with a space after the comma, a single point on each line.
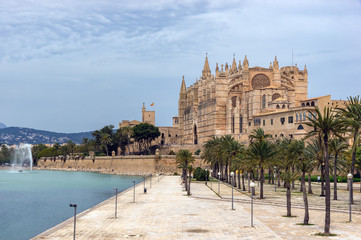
[2, 125]
[17, 135]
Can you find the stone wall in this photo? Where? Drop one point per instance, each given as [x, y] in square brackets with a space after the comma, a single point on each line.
[129, 165]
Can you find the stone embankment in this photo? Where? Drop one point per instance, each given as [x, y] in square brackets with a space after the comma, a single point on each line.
[127, 165]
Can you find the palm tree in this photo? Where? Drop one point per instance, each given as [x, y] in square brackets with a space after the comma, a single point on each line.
[337, 147]
[304, 165]
[260, 153]
[325, 125]
[314, 152]
[232, 148]
[284, 164]
[183, 158]
[105, 140]
[351, 116]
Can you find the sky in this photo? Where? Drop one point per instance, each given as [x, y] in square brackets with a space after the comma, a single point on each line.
[74, 65]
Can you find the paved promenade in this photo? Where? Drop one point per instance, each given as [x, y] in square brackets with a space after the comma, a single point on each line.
[165, 212]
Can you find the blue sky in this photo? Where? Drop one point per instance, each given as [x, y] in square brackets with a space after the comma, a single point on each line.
[72, 65]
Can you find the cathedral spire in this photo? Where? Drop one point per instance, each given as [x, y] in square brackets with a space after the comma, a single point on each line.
[206, 70]
[234, 65]
[275, 63]
[183, 87]
[245, 63]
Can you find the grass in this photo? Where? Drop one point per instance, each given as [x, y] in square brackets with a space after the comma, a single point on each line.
[288, 216]
[302, 224]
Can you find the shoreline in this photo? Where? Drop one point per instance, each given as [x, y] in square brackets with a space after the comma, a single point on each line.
[83, 213]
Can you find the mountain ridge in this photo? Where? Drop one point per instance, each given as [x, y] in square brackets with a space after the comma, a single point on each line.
[17, 135]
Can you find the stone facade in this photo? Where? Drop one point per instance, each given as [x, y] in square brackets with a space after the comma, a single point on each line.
[237, 99]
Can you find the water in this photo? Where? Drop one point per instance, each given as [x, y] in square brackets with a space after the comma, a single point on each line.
[32, 202]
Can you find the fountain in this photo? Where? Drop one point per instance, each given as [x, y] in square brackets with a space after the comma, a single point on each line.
[23, 157]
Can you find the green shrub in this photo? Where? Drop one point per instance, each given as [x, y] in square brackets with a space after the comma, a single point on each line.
[200, 174]
[171, 152]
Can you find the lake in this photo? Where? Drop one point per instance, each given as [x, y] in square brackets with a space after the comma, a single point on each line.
[32, 202]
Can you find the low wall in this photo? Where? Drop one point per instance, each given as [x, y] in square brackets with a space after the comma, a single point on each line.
[128, 165]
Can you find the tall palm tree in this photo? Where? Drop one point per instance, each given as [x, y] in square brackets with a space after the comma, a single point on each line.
[351, 116]
[231, 148]
[105, 140]
[260, 153]
[190, 171]
[304, 165]
[183, 159]
[326, 124]
[337, 147]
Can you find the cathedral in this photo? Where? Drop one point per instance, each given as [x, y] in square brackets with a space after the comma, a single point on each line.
[237, 98]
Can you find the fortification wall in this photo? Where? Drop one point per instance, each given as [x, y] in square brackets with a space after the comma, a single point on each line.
[129, 165]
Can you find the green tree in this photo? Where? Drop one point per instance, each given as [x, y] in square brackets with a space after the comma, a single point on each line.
[325, 125]
[351, 119]
[337, 147]
[144, 134]
[105, 141]
[183, 159]
[260, 153]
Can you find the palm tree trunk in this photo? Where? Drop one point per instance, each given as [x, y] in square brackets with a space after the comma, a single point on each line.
[243, 185]
[288, 196]
[305, 200]
[279, 179]
[185, 178]
[189, 185]
[328, 189]
[239, 179]
[293, 182]
[322, 181]
[335, 178]
[269, 176]
[262, 180]
[309, 184]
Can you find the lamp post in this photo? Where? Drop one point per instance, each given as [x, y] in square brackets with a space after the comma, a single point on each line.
[252, 185]
[274, 177]
[219, 183]
[349, 176]
[116, 201]
[232, 176]
[258, 176]
[150, 183]
[211, 179]
[206, 174]
[74, 206]
[145, 190]
[134, 192]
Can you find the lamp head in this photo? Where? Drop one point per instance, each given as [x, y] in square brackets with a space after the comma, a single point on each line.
[232, 174]
[349, 176]
[73, 205]
[219, 173]
[252, 184]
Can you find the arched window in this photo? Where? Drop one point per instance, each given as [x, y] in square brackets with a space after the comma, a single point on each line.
[304, 116]
[281, 135]
[310, 115]
[300, 127]
[296, 117]
[264, 101]
[307, 104]
[283, 106]
[303, 104]
[278, 106]
[312, 103]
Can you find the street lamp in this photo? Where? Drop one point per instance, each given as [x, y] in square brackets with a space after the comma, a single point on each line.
[206, 174]
[116, 200]
[74, 206]
[145, 190]
[211, 178]
[232, 176]
[258, 176]
[252, 185]
[349, 176]
[219, 183]
[134, 192]
[150, 183]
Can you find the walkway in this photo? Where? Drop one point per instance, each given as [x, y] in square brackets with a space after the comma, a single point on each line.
[165, 212]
